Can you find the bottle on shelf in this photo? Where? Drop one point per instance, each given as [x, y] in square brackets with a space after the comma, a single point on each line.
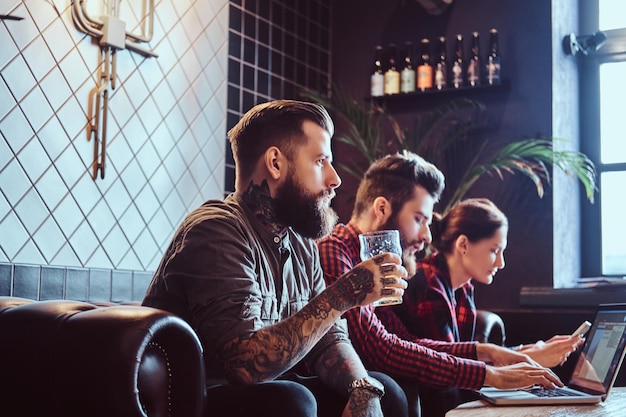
[457, 64]
[441, 66]
[377, 78]
[392, 75]
[493, 59]
[425, 69]
[474, 63]
[407, 75]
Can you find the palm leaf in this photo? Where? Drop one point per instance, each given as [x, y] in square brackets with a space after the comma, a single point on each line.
[364, 126]
[530, 157]
[451, 121]
[444, 137]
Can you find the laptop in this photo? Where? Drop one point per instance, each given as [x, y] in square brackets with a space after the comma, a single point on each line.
[594, 373]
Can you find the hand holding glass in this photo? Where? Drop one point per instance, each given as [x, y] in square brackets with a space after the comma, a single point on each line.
[375, 243]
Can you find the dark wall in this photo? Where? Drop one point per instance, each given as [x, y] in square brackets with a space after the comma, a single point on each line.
[523, 110]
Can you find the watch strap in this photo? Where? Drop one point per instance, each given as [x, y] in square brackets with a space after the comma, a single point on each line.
[369, 384]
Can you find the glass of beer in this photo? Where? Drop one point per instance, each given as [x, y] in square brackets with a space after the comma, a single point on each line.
[375, 243]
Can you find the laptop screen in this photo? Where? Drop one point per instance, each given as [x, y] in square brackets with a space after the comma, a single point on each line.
[599, 362]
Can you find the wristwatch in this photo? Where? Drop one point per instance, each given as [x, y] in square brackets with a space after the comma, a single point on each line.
[369, 384]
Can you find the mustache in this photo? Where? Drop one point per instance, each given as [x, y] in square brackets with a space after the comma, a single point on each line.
[326, 195]
[415, 243]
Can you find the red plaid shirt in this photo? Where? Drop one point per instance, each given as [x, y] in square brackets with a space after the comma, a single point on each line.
[432, 309]
[399, 354]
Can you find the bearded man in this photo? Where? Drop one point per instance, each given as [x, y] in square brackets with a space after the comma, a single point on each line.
[245, 273]
[399, 192]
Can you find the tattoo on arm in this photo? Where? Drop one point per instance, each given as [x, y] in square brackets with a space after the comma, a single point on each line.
[352, 289]
[273, 349]
[359, 401]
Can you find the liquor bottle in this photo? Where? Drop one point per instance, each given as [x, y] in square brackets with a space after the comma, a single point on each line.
[493, 59]
[424, 69]
[392, 75]
[407, 75]
[474, 64]
[457, 65]
[377, 79]
[441, 67]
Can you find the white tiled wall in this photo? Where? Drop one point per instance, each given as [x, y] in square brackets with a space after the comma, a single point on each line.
[166, 130]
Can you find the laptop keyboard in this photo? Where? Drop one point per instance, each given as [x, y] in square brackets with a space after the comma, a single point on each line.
[541, 392]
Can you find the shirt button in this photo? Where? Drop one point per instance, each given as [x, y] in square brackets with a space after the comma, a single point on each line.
[276, 239]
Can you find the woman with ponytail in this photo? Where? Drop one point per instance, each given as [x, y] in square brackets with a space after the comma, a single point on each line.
[469, 243]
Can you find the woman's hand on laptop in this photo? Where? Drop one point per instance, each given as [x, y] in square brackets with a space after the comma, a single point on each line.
[521, 375]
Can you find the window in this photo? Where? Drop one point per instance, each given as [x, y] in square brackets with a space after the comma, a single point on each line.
[603, 138]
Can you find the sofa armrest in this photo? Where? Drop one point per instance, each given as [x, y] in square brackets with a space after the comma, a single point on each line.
[489, 328]
[74, 359]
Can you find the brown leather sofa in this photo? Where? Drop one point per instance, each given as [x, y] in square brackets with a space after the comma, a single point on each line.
[70, 358]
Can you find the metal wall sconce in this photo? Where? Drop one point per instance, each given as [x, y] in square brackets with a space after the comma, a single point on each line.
[111, 31]
[573, 44]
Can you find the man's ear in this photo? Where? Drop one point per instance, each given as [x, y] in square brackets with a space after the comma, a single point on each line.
[382, 209]
[274, 162]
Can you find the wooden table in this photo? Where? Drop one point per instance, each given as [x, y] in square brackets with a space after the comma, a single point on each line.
[614, 406]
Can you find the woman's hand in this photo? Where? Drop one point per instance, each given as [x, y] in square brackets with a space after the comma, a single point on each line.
[554, 352]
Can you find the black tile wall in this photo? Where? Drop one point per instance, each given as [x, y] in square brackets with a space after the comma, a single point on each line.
[275, 49]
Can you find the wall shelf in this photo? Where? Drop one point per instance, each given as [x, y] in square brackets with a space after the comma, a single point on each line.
[572, 297]
[416, 96]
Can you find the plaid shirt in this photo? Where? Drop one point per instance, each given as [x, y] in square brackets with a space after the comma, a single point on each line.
[432, 309]
[399, 354]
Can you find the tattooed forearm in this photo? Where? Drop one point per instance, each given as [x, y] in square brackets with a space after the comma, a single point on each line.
[360, 401]
[340, 365]
[272, 350]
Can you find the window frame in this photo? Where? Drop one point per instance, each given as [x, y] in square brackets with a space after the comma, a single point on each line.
[614, 50]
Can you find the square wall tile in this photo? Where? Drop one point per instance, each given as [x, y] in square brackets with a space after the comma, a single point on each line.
[99, 285]
[52, 283]
[121, 286]
[6, 278]
[77, 284]
[26, 281]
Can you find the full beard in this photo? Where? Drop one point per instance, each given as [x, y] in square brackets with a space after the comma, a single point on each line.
[306, 214]
[409, 259]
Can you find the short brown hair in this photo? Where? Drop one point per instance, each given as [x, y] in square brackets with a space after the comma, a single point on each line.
[275, 123]
[395, 177]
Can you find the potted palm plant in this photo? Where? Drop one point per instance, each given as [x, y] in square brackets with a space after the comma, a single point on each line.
[448, 137]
